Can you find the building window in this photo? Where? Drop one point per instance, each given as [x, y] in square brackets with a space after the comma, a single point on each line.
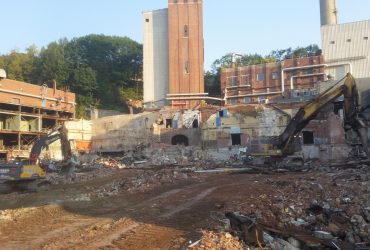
[186, 31]
[349, 40]
[233, 101]
[236, 139]
[187, 67]
[332, 42]
[274, 76]
[307, 71]
[247, 100]
[366, 38]
[233, 81]
[16, 101]
[222, 113]
[168, 123]
[260, 77]
[261, 99]
[147, 20]
[308, 137]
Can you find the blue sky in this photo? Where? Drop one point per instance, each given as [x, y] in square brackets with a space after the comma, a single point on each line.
[243, 26]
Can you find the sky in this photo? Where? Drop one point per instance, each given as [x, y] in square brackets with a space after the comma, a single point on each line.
[241, 26]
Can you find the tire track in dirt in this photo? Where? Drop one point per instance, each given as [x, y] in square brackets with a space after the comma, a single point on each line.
[189, 203]
[149, 236]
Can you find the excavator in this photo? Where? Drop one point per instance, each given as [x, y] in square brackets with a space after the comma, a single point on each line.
[29, 173]
[355, 124]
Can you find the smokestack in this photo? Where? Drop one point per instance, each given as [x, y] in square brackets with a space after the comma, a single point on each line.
[328, 12]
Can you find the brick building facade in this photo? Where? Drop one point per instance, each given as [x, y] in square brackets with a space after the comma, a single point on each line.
[258, 83]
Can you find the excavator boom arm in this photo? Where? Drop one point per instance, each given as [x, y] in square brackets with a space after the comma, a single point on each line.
[309, 111]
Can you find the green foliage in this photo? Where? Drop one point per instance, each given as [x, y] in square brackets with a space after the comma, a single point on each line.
[212, 83]
[298, 52]
[126, 94]
[243, 60]
[99, 69]
[18, 65]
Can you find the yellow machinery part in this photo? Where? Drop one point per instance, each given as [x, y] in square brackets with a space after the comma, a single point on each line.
[32, 171]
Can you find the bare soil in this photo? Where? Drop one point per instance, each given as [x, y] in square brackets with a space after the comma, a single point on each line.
[166, 216]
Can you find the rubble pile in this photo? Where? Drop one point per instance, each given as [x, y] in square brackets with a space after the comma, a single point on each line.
[331, 205]
[78, 176]
[165, 156]
[211, 240]
[143, 181]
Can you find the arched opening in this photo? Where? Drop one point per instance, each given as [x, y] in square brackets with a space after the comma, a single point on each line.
[180, 140]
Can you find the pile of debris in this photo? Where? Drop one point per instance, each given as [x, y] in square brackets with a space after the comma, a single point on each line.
[143, 181]
[211, 240]
[328, 208]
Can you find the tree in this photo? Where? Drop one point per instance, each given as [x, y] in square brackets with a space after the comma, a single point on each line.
[212, 83]
[116, 61]
[298, 52]
[52, 64]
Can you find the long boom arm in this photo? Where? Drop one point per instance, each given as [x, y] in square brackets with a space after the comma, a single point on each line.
[58, 133]
[309, 111]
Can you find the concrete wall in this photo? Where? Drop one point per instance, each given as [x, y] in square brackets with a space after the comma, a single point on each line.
[123, 132]
[155, 47]
[79, 129]
[255, 123]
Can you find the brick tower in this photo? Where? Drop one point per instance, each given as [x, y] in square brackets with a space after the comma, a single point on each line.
[186, 50]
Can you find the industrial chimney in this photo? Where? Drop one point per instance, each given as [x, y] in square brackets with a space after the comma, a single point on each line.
[328, 12]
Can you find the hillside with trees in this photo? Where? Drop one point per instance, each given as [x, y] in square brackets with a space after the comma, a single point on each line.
[102, 70]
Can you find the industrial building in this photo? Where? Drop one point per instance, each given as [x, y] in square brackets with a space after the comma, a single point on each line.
[346, 48]
[174, 55]
[291, 78]
[28, 111]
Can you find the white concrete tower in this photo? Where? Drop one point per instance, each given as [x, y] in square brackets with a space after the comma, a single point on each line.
[328, 12]
[155, 48]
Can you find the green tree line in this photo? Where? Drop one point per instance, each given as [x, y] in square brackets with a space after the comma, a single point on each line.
[102, 70]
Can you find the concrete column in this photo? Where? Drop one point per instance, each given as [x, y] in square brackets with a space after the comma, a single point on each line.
[328, 12]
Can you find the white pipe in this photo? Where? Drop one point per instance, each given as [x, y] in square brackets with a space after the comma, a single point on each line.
[294, 68]
[187, 94]
[193, 98]
[233, 87]
[256, 94]
[34, 96]
[301, 76]
[341, 64]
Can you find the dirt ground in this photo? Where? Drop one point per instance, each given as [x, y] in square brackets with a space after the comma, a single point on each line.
[169, 214]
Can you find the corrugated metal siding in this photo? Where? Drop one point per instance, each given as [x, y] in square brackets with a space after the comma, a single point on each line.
[356, 51]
